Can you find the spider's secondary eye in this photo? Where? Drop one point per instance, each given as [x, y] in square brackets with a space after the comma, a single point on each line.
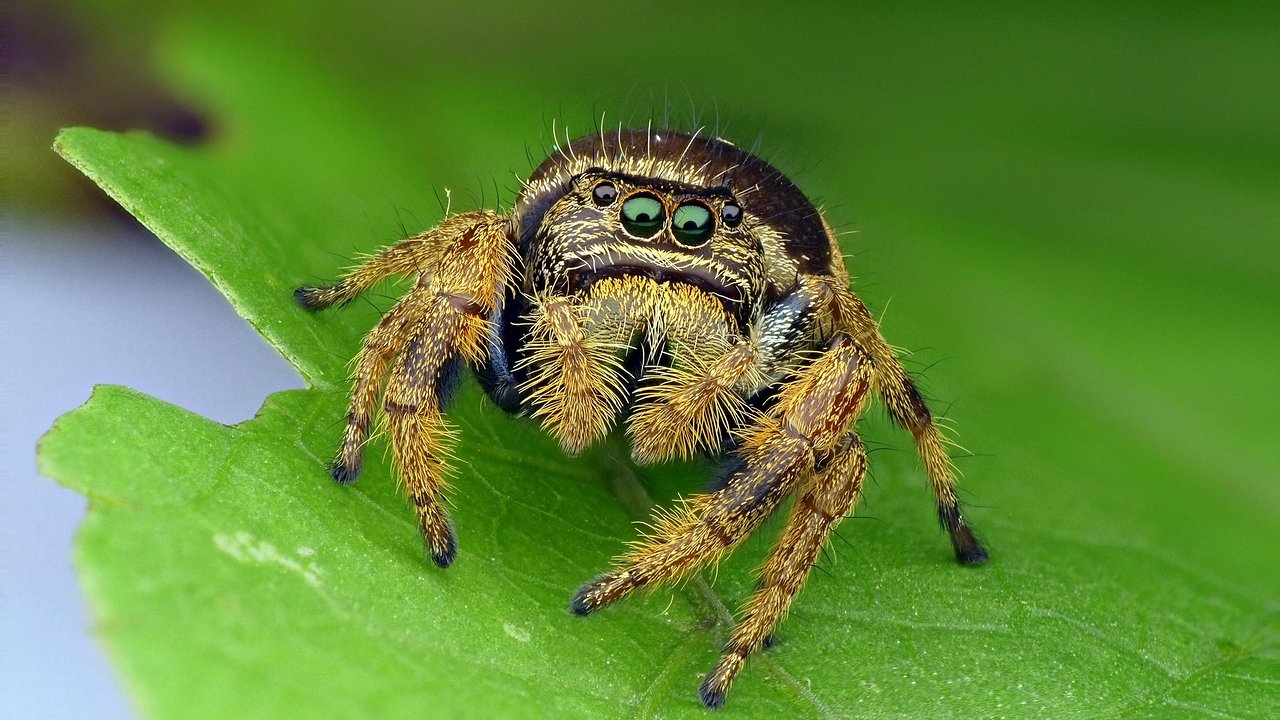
[731, 214]
[642, 215]
[692, 224]
[604, 194]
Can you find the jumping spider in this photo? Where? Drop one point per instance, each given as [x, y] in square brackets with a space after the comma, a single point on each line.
[682, 285]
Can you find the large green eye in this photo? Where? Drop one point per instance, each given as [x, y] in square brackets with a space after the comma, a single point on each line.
[642, 215]
[692, 223]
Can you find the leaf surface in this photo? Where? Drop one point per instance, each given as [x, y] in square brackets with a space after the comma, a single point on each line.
[1112, 376]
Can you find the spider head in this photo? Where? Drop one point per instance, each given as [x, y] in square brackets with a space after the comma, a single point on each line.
[611, 223]
[672, 207]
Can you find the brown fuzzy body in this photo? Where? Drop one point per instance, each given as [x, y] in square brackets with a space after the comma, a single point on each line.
[678, 283]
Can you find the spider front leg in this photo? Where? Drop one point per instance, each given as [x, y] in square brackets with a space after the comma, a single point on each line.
[463, 266]
[420, 253]
[576, 344]
[819, 406]
[575, 381]
[811, 415]
[695, 404]
[689, 409]
[828, 496]
[704, 528]
[909, 410]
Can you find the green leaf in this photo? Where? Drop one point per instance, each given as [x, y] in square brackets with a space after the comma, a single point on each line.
[1117, 387]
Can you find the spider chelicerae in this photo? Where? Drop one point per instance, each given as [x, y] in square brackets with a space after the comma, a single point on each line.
[672, 282]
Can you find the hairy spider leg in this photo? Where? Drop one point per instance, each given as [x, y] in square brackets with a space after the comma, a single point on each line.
[463, 265]
[695, 406]
[692, 402]
[421, 438]
[577, 345]
[908, 409]
[411, 255]
[381, 345]
[692, 407]
[827, 497]
[701, 529]
[816, 409]
[573, 355]
[776, 455]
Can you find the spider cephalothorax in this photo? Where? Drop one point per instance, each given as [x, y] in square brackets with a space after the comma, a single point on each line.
[674, 283]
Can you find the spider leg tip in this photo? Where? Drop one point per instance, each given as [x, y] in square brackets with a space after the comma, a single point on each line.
[712, 697]
[343, 474]
[443, 557]
[579, 605]
[971, 555]
[969, 551]
[306, 297]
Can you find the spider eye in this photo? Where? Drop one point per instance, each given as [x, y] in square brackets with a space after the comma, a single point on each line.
[731, 214]
[642, 215]
[691, 223]
[604, 194]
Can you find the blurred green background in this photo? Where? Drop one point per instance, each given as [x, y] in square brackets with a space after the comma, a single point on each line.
[1069, 214]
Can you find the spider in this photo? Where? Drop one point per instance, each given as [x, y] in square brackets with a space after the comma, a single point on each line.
[679, 285]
